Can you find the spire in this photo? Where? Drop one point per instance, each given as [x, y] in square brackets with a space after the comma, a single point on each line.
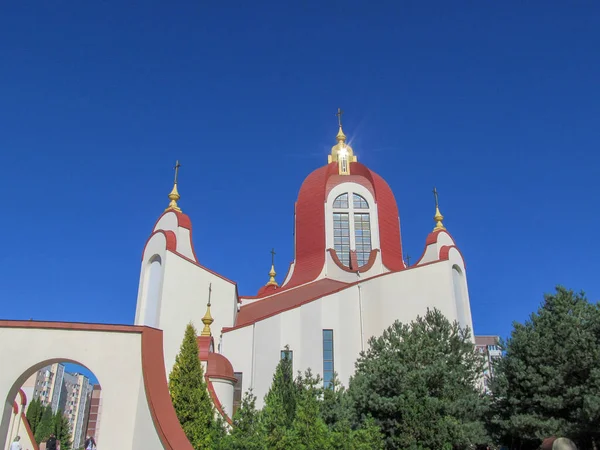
[207, 320]
[438, 215]
[341, 153]
[272, 273]
[174, 195]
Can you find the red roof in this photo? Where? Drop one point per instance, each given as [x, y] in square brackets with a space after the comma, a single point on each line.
[219, 367]
[310, 220]
[284, 300]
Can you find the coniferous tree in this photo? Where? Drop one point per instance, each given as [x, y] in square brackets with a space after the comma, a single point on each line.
[418, 382]
[45, 426]
[62, 430]
[34, 414]
[246, 432]
[548, 382]
[280, 405]
[308, 430]
[190, 396]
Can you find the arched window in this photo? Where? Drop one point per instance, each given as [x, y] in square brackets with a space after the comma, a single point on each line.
[351, 232]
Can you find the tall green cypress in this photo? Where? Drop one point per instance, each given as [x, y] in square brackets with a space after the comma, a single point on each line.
[280, 404]
[189, 394]
[46, 425]
[62, 430]
[34, 414]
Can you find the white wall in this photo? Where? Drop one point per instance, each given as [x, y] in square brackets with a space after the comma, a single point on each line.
[184, 299]
[354, 314]
[224, 391]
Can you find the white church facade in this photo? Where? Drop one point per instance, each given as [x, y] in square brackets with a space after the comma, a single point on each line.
[348, 282]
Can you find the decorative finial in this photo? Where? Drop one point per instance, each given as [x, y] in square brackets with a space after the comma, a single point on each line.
[438, 215]
[272, 273]
[174, 195]
[207, 320]
[341, 152]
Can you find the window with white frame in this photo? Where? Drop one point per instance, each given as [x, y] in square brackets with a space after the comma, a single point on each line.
[351, 228]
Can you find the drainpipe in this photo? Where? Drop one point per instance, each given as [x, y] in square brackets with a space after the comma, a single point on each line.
[360, 311]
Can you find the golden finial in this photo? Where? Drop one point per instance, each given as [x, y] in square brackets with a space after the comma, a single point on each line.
[272, 273]
[207, 320]
[341, 153]
[438, 215]
[174, 195]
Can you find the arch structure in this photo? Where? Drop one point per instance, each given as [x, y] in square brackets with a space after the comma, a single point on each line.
[128, 362]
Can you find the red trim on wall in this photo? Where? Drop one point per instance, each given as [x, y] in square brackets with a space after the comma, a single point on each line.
[23, 397]
[203, 267]
[163, 413]
[445, 253]
[183, 220]
[29, 432]
[15, 408]
[170, 237]
[362, 269]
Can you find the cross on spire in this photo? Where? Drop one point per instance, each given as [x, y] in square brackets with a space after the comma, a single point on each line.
[273, 256]
[209, 292]
[435, 195]
[177, 166]
[339, 116]
[407, 260]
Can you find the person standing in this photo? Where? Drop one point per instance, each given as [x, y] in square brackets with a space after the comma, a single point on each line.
[16, 445]
[51, 443]
[90, 443]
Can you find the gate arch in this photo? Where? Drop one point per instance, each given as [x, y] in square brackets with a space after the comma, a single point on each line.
[128, 362]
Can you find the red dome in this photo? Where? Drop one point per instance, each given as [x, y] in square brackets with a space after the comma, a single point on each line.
[310, 219]
[219, 367]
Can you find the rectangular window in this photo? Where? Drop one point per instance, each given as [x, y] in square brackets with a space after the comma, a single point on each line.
[362, 235]
[287, 354]
[237, 391]
[341, 237]
[327, 358]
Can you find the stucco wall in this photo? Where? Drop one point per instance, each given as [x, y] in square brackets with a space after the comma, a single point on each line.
[184, 299]
[354, 314]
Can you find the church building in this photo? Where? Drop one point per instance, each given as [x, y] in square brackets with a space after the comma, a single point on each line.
[348, 282]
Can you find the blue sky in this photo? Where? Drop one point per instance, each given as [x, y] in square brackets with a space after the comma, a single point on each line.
[495, 103]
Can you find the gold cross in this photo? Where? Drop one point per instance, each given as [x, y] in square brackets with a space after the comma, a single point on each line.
[435, 194]
[209, 292]
[339, 116]
[177, 166]
[272, 256]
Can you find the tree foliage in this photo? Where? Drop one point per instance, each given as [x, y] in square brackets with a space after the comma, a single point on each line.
[45, 426]
[419, 383]
[34, 414]
[548, 383]
[62, 430]
[190, 396]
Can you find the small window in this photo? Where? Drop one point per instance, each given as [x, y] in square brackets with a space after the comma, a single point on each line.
[359, 202]
[341, 201]
[237, 391]
[287, 354]
[328, 368]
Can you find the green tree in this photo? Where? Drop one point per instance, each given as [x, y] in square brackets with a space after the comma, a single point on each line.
[246, 432]
[34, 414]
[419, 382]
[308, 430]
[279, 410]
[548, 382]
[189, 394]
[46, 425]
[62, 430]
